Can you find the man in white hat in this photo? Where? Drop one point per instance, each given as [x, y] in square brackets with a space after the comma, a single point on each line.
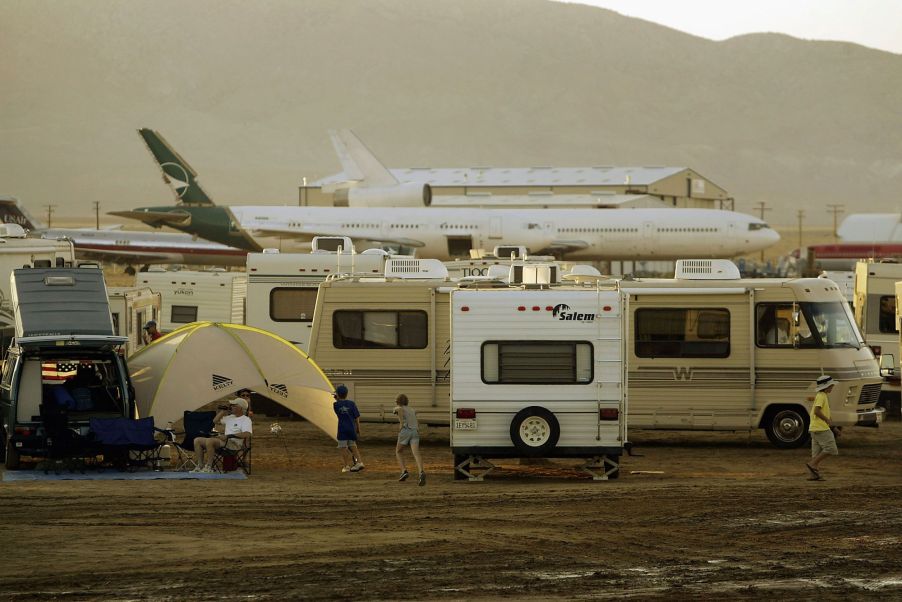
[821, 428]
[236, 428]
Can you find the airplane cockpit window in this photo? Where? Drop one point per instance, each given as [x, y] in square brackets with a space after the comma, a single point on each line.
[758, 226]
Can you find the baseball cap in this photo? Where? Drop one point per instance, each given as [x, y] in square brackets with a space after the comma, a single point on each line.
[150, 323]
[242, 403]
[341, 390]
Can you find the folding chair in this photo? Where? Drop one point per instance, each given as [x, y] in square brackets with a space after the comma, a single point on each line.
[196, 424]
[230, 458]
[127, 443]
[65, 447]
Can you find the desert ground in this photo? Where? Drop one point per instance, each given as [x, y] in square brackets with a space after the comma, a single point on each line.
[714, 515]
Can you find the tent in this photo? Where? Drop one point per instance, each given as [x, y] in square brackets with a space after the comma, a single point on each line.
[205, 361]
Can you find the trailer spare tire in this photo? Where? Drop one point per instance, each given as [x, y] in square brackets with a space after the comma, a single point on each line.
[534, 431]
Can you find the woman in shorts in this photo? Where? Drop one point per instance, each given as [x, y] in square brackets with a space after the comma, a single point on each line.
[408, 435]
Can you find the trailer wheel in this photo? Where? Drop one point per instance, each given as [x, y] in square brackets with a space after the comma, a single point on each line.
[534, 431]
[787, 427]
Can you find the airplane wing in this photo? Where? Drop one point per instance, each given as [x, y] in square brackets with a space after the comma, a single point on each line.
[308, 236]
[156, 219]
[564, 246]
[126, 257]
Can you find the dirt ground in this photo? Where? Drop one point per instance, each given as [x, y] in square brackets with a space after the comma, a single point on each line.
[728, 516]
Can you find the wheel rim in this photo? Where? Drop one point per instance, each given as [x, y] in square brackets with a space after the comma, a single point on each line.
[535, 431]
[788, 426]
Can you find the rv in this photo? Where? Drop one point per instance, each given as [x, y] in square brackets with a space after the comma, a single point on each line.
[875, 314]
[65, 354]
[706, 350]
[131, 309]
[537, 372]
[192, 296]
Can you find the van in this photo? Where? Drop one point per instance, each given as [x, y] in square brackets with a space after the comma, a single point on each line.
[64, 353]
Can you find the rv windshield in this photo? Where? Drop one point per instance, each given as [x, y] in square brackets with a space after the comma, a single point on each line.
[829, 324]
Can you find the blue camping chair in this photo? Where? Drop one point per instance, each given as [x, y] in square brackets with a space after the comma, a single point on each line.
[195, 424]
[127, 443]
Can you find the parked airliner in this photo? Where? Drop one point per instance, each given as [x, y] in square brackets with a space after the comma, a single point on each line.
[445, 233]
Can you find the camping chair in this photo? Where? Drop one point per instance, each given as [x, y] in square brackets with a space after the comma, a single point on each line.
[230, 458]
[196, 424]
[65, 447]
[127, 443]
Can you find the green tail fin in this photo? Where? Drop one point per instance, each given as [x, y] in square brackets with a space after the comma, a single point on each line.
[180, 177]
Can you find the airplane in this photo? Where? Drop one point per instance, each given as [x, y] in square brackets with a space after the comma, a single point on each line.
[125, 247]
[446, 233]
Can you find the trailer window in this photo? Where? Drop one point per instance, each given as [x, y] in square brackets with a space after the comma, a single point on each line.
[678, 332]
[116, 322]
[379, 329]
[537, 362]
[183, 314]
[292, 304]
[888, 314]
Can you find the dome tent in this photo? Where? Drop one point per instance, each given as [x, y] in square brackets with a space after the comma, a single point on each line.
[205, 361]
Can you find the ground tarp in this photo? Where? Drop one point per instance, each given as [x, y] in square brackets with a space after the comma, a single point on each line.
[206, 361]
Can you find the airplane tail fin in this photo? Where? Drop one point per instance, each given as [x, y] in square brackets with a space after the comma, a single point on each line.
[13, 212]
[180, 177]
[358, 162]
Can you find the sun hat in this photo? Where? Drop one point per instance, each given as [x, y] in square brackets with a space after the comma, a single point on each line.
[824, 382]
[341, 391]
[242, 403]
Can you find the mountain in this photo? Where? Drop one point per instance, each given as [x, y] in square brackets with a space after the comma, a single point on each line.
[246, 91]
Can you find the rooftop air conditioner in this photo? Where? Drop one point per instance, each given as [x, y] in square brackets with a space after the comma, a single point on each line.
[536, 273]
[706, 269]
[427, 269]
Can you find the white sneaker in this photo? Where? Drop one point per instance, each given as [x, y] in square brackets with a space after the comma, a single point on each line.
[345, 469]
[207, 469]
[197, 469]
[358, 467]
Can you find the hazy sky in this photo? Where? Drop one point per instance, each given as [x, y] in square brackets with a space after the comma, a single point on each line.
[873, 23]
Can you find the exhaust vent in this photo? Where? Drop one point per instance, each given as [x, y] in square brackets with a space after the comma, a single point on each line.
[706, 269]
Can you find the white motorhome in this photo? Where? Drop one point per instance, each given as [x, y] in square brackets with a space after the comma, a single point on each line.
[195, 296]
[705, 351]
[131, 308]
[537, 373]
[875, 313]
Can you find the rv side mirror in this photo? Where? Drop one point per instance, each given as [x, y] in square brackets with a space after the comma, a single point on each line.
[887, 365]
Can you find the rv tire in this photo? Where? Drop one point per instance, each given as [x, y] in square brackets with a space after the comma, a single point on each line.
[534, 431]
[787, 426]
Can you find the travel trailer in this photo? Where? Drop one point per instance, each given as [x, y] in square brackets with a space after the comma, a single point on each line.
[537, 372]
[131, 309]
[190, 296]
[706, 350]
[65, 354]
[875, 313]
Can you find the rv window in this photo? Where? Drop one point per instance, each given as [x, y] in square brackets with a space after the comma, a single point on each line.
[292, 304]
[379, 330]
[677, 332]
[827, 324]
[888, 314]
[115, 322]
[772, 325]
[537, 362]
[183, 314]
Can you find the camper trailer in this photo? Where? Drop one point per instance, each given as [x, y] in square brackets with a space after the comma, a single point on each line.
[65, 354]
[131, 309]
[706, 350]
[197, 296]
[282, 287]
[537, 372]
[875, 314]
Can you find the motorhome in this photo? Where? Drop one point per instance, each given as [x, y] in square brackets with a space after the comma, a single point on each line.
[65, 354]
[131, 308]
[875, 313]
[706, 350]
[197, 296]
[537, 373]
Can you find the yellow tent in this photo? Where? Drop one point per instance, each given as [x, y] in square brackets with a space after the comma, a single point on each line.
[205, 361]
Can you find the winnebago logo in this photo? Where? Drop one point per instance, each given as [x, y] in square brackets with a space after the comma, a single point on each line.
[221, 382]
[562, 311]
[682, 373]
[280, 390]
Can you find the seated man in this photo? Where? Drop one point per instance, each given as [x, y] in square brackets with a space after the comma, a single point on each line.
[236, 428]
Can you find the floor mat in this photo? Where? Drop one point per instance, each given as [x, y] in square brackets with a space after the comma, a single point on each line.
[112, 475]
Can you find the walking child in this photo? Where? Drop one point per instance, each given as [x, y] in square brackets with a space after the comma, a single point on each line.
[408, 435]
[348, 429]
[823, 442]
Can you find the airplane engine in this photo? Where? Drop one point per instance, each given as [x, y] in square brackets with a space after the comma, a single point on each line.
[404, 195]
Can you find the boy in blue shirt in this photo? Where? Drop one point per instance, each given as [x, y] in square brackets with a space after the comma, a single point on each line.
[348, 429]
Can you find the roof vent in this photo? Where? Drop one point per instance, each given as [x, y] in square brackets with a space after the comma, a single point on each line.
[535, 273]
[510, 252]
[706, 269]
[331, 244]
[11, 231]
[583, 273]
[428, 269]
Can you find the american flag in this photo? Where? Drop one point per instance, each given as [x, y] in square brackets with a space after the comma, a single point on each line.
[53, 373]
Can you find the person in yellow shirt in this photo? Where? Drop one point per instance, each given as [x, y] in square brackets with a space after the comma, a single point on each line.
[821, 429]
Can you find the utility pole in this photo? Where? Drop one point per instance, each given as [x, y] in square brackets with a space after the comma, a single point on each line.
[50, 209]
[801, 214]
[761, 206]
[97, 214]
[836, 209]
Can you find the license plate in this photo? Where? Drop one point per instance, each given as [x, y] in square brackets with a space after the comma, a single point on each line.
[465, 424]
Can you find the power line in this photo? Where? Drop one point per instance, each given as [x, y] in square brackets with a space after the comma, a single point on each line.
[761, 206]
[50, 209]
[836, 209]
